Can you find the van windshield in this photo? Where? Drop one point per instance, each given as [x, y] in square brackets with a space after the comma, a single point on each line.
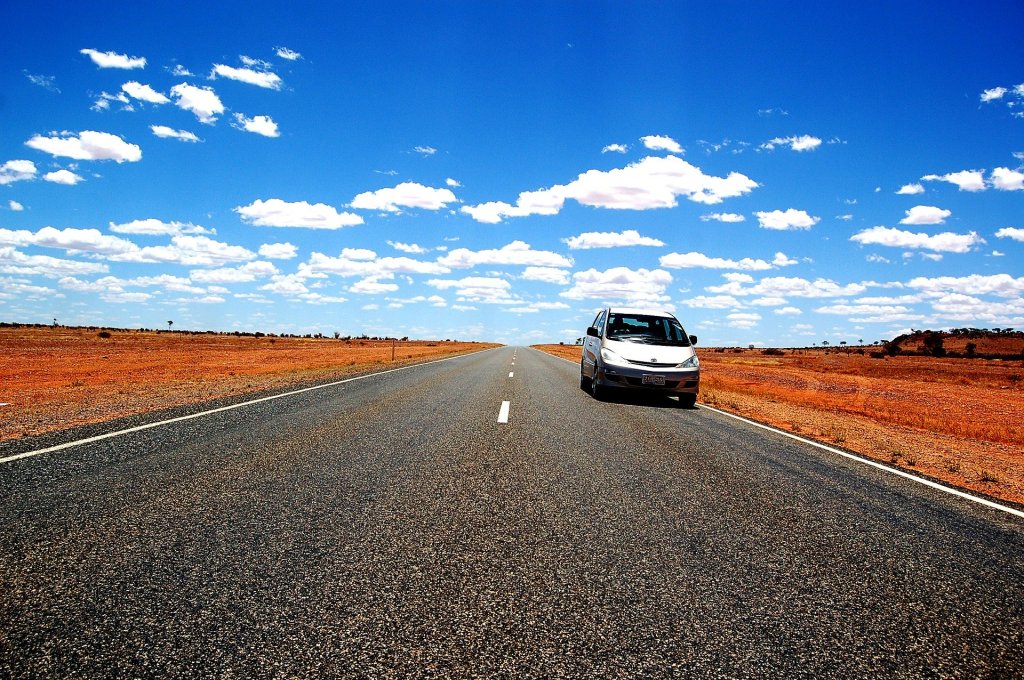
[646, 329]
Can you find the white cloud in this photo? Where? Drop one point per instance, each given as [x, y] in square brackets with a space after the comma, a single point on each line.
[260, 125]
[863, 310]
[199, 251]
[17, 171]
[201, 101]
[966, 180]
[180, 71]
[1002, 285]
[265, 79]
[372, 285]
[405, 195]
[13, 261]
[482, 289]
[653, 182]
[785, 287]
[15, 206]
[963, 307]
[546, 275]
[1014, 233]
[1006, 179]
[43, 81]
[800, 143]
[144, 93]
[425, 150]
[89, 145]
[615, 148]
[610, 239]
[926, 214]
[993, 94]
[713, 302]
[911, 189]
[75, 240]
[787, 311]
[278, 251]
[661, 143]
[723, 217]
[114, 60]
[695, 259]
[18, 289]
[102, 102]
[155, 227]
[410, 248]
[947, 242]
[454, 183]
[285, 53]
[639, 286]
[171, 133]
[353, 262]
[63, 177]
[246, 273]
[277, 213]
[358, 254]
[743, 319]
[786, 219]
[515, 253]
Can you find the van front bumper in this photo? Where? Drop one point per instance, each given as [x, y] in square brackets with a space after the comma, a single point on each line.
[677, 381]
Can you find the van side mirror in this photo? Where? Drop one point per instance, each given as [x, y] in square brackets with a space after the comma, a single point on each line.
[592, 332]
[693, 339]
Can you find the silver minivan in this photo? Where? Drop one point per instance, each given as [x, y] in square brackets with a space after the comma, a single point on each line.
[640, 349]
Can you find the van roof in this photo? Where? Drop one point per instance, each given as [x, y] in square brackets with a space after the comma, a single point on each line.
[641, 310]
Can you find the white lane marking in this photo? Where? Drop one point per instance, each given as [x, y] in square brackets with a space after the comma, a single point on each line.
[510, 373]
[139, 428]
[875, 464]
[503, 412]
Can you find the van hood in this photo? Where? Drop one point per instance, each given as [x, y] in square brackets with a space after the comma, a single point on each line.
[656, 354]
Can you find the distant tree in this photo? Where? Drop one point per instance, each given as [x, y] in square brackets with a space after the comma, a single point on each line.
[934, 344]
[337, 335]
[860, 341]
[971, 349]
[891, 348]
[169, 324]
[824, 343]
[843, 343]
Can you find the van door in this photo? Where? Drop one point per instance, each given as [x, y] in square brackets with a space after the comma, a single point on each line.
[592, 345]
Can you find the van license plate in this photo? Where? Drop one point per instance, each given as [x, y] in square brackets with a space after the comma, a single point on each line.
[653, 380]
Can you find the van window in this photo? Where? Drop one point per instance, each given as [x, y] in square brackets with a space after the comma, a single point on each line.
[599, 323]
[647, 329]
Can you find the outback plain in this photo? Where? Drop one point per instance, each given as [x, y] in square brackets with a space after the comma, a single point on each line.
[55, 378]
[953, 419]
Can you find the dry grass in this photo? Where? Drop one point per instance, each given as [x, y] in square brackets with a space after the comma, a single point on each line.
[953, 419]
[55, 378]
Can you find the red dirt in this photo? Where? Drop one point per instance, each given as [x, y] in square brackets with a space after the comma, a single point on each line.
[56, 378]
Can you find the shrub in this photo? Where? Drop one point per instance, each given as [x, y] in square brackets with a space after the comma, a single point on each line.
[772, 352]
[104, 334]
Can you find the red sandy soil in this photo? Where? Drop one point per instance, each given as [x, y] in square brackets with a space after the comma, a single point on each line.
[56, 378]
[956, 420]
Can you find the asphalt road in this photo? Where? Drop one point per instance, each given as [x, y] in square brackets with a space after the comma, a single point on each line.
[393, 527]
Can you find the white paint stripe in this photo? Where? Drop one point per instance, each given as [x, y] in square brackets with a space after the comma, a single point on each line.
[108, 435]
[510, 373]
[896, 471]
[503, 412]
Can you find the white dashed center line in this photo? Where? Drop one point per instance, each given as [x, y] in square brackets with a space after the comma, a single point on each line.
[503, 412]
[510, 373]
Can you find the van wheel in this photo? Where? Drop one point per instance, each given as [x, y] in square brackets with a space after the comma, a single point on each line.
[687, 400]
[598, 391]
[584, 382]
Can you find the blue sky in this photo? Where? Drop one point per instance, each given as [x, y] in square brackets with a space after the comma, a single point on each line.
[775, 174]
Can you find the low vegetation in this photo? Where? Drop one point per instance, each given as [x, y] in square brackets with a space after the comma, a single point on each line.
[55, 377]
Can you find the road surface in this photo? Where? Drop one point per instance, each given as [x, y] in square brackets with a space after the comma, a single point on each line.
[393, 526]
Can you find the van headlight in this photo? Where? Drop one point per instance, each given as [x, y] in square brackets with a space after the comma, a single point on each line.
[611, 357]
[692, 362]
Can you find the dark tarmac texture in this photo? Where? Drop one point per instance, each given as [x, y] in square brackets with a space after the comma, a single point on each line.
[391, 527]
